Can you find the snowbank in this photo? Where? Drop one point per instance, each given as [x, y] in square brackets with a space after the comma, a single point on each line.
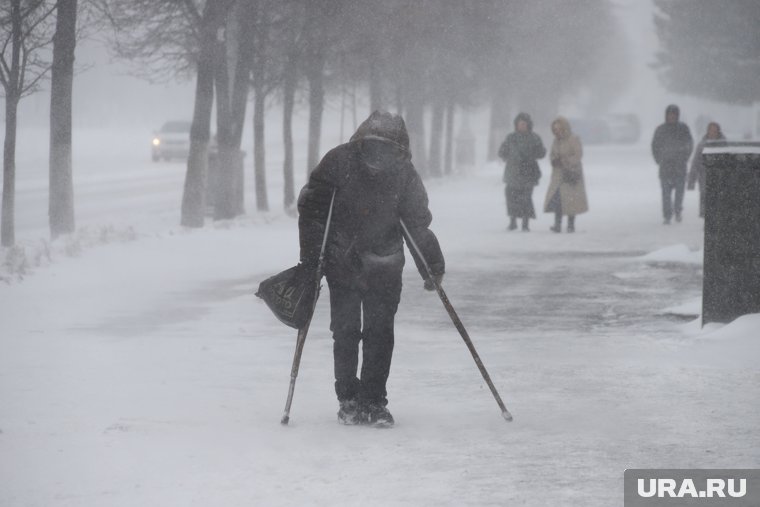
[733, 345]
[26, 256]
[679, 254]
[691, 308]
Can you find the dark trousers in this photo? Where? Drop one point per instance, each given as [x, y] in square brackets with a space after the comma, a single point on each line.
[672, 185]
[363, 314]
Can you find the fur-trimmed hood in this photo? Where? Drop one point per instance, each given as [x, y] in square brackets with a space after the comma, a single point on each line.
[563, 125]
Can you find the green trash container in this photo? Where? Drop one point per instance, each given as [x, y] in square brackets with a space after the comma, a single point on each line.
[731, 285]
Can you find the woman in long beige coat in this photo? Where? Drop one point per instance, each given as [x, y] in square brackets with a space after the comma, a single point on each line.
[567, 191]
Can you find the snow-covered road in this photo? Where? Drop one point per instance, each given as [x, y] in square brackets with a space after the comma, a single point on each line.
[146, 373]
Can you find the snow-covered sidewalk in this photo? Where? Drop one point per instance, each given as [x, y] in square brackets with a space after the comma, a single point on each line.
[146, 372]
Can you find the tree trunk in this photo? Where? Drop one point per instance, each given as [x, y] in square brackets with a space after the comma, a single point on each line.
[499, 125]
[416, 125]
[448, 143]
[12, 96]
[61, 197]
[259, 154]
[240, 88]
[290, 80]
[399, 96]
[7, 230]
[224, 178]
[436, 135]
[376, 85]
[315, 69]
[194, 195]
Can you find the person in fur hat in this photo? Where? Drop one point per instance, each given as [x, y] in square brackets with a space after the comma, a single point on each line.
[566, 194]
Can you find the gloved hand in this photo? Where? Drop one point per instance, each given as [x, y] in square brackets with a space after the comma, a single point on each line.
[309, 261]
[429, 283]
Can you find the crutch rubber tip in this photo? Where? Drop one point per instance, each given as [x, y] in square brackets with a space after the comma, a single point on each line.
[285, 419]
[507, 416]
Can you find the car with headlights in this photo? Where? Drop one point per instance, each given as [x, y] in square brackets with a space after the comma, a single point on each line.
[171, 141]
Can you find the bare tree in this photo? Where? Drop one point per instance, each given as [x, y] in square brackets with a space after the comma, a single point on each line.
[223, 191]
[242, 49]
[165, 39]
[709, 49]
[265, 78]
[25, 33]
[193, 198]
[61, 199]
[293, 44]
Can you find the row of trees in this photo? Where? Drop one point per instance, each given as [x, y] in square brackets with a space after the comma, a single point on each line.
[28, 29]
[426, 59]
[414, 56]
[710, 49]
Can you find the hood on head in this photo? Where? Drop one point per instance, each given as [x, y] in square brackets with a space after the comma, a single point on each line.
[717, 126]
[385, 126]
[383, 142]
[525, 117]
[563, 125]
[672, 108]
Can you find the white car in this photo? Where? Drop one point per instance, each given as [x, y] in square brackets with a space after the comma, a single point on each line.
[172, 141]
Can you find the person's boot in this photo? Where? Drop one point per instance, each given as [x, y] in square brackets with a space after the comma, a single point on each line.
[571, 223]
[557, 227]
[512, 223]
[525, 227]
[678, 216]
[377, 415]
[349, 413]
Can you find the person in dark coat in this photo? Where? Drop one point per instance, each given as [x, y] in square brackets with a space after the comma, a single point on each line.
[521, 150]
[697, 170]
[376, 185]
[671, 147]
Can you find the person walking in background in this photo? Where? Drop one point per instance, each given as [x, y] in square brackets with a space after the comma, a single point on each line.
[697, 170]
[376, 186]
[567, 191]
[672, 145]
[521, 150]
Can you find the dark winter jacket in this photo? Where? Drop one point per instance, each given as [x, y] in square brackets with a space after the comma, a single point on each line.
[521, 150]
[672, 145]
[376, 186]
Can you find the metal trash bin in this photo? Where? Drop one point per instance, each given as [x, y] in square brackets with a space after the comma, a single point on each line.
[731, 285]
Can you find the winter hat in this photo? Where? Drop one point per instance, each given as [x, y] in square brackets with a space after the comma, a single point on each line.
[384, 126]
[526, 118]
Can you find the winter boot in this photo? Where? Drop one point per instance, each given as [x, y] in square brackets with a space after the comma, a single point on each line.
[512, 224]
[557, 227]
[525, 227]
[349, 413]
[571, 223]
[678, 216]
[377, 415]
